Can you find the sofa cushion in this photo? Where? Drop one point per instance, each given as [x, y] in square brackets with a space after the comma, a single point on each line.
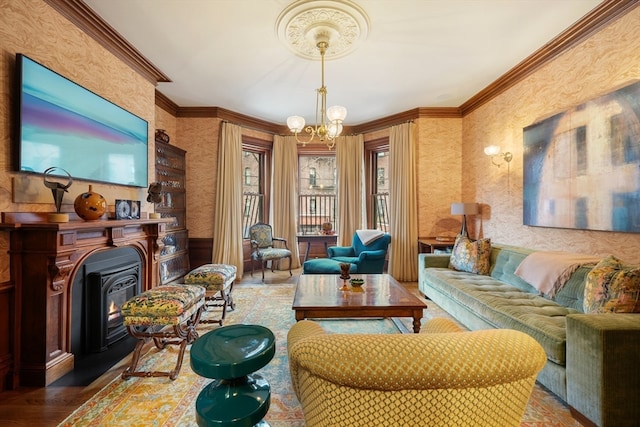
[471, 256]
[612, 287]
[506, 306]
[505, 260]
[572, 293]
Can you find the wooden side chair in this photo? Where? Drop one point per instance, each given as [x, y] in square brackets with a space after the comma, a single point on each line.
[265, 247]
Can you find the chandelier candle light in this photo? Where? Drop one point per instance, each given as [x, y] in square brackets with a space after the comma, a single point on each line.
[334, 28]
[326, 132]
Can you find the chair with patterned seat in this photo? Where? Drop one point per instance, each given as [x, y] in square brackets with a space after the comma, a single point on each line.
[265, 247]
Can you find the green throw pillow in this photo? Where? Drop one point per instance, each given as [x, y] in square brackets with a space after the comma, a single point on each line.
[473, 256]
[612, 287]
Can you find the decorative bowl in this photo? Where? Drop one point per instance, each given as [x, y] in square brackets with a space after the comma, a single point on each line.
[356, 283]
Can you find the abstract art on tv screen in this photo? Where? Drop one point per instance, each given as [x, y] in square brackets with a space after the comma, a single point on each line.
[582, 166]
[62, 124]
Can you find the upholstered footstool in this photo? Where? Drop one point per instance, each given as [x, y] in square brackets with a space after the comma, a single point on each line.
[168, 315]
[218, 281]
[231, 355]
[325, 266]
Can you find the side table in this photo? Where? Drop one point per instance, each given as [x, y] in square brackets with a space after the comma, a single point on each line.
[430, 244]
[309, 239]
[231, 355]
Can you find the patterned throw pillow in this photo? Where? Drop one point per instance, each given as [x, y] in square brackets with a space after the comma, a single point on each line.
[612, 287]
[471, 256]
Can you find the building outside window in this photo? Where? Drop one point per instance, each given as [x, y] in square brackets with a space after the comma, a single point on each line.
[317, 192]
[377, 184]
[256, 160]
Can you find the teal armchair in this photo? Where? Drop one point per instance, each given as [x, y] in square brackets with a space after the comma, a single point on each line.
[368, 259]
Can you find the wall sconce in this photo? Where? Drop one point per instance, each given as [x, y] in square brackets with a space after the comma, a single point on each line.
[464, 209]
[494, 150]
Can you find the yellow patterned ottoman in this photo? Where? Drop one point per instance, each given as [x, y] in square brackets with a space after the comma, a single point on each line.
[168, 315]
[218, 280]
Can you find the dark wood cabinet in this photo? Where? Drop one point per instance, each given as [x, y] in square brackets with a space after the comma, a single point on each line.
[171, 173]
[45, 258]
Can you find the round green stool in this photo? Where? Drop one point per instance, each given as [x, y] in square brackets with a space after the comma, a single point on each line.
[231, 355]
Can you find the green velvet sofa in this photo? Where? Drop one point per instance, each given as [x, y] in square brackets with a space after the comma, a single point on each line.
[593, 360]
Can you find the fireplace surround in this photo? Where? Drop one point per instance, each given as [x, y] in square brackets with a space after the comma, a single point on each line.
[105, 281]
[45, 259]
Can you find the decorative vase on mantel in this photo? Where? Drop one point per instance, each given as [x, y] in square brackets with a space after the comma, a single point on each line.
[90, 206]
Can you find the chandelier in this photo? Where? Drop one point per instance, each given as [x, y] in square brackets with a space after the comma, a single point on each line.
[328, 124]
[334, 28]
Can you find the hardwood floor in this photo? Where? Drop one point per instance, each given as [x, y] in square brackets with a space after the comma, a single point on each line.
[48, 406]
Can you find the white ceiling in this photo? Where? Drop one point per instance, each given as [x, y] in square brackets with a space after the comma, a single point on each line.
[418, 53]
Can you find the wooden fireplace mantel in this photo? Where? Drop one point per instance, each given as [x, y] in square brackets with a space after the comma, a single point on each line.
[44, 258]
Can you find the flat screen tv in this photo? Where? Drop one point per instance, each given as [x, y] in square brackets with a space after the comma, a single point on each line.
[62, 124]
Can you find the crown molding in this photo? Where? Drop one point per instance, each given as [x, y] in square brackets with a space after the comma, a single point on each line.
[166, 104]
[91, 24]
[591, 23]
[230, 116]
[407, 116]
[88, 21]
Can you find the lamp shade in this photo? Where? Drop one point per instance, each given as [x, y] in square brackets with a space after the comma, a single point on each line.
[464, 208]
[492, 150]
[295, 123]
[336, 112]
[334, 130]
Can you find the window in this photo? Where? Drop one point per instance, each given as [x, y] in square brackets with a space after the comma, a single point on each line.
[377, 184]
[317, 190]
[381, 177]
[312, 177]
[256, 162]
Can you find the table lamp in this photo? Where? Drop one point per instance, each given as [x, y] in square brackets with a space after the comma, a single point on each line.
[464, 209]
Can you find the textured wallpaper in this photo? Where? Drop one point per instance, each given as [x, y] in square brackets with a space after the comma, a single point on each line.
[604, 62]
[199, 136]
[451, 164]
[439, 176]
[31, 27]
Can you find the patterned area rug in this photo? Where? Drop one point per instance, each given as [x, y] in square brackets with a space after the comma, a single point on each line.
[162, 402]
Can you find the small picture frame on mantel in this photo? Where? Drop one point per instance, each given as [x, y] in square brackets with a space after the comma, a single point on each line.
[127, 209]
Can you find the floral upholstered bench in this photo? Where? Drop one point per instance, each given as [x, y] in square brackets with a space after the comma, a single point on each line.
[218, 281]
[168, 315]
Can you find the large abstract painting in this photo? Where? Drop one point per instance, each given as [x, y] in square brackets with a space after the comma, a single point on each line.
[582, 166]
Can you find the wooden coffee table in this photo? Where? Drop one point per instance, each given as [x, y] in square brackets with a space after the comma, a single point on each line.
[320, 296]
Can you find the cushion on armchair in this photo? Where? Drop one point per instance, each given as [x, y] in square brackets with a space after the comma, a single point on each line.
[368, 258]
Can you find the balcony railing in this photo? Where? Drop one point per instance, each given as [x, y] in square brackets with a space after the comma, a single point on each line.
[381, 211]
[313, 211]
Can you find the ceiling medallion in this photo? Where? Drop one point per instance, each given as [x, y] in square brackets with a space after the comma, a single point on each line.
[345, 22]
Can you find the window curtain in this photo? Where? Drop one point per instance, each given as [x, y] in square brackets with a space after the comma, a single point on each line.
[351, 201]
[227, 215]
[284, 199]
[403, 212]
